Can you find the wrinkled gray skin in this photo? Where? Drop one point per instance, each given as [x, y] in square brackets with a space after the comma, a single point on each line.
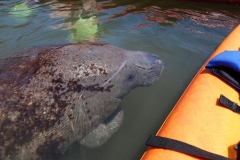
[54, 96]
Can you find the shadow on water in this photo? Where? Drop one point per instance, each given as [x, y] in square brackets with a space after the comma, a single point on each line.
[182, 33]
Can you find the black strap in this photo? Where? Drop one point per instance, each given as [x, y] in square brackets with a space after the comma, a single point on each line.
[167, 143]
[229, 104]
[235, 108]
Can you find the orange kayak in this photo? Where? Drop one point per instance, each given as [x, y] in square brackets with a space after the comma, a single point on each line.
[198, 118]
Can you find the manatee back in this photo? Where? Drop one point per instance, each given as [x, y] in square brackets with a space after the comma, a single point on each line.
[42, 93]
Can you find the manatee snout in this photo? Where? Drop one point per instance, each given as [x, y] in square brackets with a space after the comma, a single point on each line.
[156, 67]
[149, 65]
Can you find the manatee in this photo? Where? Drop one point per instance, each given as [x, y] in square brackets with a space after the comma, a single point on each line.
[51, 97]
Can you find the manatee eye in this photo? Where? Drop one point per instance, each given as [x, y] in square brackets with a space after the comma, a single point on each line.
[130, 77]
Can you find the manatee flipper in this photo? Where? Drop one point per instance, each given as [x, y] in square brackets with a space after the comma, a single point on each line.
[103, 131]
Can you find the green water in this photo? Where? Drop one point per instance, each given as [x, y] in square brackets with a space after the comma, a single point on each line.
[182, 33]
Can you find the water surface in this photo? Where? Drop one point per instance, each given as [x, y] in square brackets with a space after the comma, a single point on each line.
[182, 33]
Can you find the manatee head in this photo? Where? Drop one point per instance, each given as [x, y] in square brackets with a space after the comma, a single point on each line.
[124, 70]
[136, 69]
